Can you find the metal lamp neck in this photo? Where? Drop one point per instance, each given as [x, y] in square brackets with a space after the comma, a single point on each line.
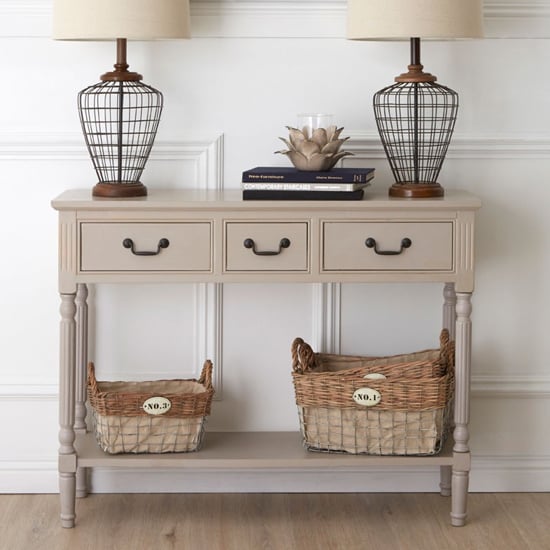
[121, 73]
[415, 73]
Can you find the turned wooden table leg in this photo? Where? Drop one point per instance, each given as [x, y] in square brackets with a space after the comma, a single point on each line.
[445, 480]
[67, 454]
[81, 378]
[461, 467]
[449, 322]
[449, 309]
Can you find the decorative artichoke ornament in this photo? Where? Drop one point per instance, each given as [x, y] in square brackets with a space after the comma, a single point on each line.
[314, 150]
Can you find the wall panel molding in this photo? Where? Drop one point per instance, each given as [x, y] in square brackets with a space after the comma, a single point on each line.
[326, 317]
[209, 296]
[28, 391]
[483, 385]
[368, 145]
[525, 8]
[509, 386]
[208, 326]
[282, 18]
[208, 154]
[204, 159]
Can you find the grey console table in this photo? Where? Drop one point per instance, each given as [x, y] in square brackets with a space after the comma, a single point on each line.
[196, 236]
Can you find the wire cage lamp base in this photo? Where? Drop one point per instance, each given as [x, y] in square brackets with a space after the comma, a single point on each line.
[415, 119]
[119, 190]
[120, 117]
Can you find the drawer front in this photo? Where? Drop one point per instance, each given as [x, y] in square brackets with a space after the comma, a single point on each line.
[266, 246]
[430, 249]
[139, 246]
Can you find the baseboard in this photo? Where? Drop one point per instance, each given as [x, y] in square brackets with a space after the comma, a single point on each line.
[489, 474]
[28, 476]
[510, 474]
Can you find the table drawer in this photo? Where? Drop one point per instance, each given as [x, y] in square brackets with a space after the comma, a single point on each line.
[388, 246]
[145, 246]
[266, 246]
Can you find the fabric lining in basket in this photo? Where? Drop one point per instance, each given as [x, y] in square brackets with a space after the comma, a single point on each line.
[412, 417]
[123, 426]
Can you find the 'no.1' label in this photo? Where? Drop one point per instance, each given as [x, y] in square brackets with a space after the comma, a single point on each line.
[367, 397]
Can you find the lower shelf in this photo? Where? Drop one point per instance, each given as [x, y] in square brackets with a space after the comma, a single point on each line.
[249, 450]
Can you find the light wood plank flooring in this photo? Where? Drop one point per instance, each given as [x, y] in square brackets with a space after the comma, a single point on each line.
[276, 521]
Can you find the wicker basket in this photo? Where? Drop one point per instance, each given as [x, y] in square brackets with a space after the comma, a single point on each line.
[412, 408]
[175, 422]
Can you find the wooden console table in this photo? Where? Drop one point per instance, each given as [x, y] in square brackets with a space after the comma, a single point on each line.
[200, 236]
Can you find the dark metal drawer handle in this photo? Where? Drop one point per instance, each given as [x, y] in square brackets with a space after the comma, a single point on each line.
[129, 243]
[371, 243]
[283, 243]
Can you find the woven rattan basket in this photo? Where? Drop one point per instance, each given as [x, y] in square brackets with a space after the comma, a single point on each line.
[174, 423]
[412, 407]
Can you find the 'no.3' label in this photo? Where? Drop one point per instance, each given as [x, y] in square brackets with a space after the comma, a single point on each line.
[367, 397]
[156, 405]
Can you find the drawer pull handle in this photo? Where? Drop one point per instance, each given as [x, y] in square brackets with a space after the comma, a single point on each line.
[283, 243]
[129, 243]
[371, 243]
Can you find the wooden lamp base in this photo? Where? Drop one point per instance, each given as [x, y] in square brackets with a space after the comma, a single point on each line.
[119, 190]
[416, 190]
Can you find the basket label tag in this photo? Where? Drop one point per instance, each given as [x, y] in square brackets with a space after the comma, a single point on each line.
[374, 376]
[367, 397]
[156, 405]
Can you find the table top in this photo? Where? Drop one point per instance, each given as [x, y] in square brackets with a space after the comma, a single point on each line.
[197, 199]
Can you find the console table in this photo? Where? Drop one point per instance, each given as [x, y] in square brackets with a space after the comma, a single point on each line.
[205, 236]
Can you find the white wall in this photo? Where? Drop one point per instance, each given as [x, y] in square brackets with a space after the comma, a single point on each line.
[229, 92]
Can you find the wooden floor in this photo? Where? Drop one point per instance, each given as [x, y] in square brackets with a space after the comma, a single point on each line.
[276, 521]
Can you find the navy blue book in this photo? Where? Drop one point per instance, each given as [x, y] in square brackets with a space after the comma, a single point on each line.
[261, 195]
[286, 174]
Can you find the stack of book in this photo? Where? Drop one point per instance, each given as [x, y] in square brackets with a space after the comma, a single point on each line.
[287, 183]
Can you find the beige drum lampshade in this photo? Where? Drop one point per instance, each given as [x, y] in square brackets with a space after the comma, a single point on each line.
[402, 19]
[111, 19]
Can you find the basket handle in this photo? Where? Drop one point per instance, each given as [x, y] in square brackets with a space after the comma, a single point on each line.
[92, 382]
[303, 357]
[447, 348]
[206, 375]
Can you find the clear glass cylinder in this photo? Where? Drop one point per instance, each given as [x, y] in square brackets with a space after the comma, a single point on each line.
[312, 121]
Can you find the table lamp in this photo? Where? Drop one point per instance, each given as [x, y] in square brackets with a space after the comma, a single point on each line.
[415, 116]
[120, 114]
